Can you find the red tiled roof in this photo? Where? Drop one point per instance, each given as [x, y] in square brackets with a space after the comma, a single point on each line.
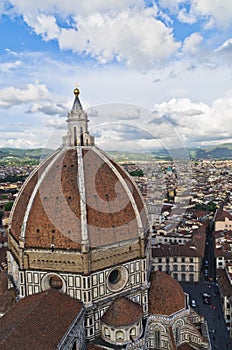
[221, 215]
[122, 312]
[166, 295]
[185, 346]
[3, 282]
[54, 214]
[168, 250]
[223, 282]
[7, 300]
[195, 248]
[91, 346]
[38, 321]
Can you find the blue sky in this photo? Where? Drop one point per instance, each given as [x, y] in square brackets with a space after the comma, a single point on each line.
[170, 57]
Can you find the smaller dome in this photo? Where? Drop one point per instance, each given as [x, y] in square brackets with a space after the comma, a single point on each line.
[122, 312]
[166, 295]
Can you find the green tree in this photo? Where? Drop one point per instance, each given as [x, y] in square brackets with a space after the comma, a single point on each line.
[8, 206]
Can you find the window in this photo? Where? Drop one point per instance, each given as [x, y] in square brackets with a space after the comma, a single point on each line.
[175, 267]
[160, 267]
[182, 267]
[191, 260]
[74, 346]
[177, 335]
[55, 282]
[107, 333]
[132, 332]
[157, 339]
[175, 275]
[183, 259]
[114, 276]
[119, 335]
[183, 277]
[160, 260]
[191, 268]
[191, 277]
[175, 259]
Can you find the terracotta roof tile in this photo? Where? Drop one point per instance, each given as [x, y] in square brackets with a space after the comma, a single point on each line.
[91, 346]
[168, 250]
[54, 213]
[7, 300]
[122, 312]
[38, 322]
[23, 199]
[222, 214]
[166, 295]
[185, 346]
[224, 283]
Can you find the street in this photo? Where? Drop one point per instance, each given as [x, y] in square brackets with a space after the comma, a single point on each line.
[219, 335]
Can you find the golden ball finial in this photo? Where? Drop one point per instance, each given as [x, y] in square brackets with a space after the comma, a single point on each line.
[76, 91]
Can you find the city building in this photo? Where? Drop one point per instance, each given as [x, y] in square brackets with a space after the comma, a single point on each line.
[79, 254]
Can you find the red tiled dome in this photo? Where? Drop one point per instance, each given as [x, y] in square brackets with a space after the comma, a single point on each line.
[78, 195]
[122, 312]
[166, 295]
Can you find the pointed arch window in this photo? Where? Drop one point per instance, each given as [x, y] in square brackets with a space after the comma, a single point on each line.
[177, 335]
[82, 136]
[157, 339]
[75, 136]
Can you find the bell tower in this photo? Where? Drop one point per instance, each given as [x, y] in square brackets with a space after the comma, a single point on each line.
[77, 120]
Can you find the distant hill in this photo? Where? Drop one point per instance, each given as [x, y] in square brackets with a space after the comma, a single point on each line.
[36, 153]
[23, 156]
[223, 151]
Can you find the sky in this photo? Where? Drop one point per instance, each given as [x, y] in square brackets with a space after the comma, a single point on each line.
[146, 70]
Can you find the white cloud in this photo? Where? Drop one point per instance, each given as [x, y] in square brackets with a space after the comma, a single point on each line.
[114, 30]
[198, 122]
[191, 43]
[212, 11]
[47, 108]
[227, 45]
[172, 5]
[67, 8]
[8, 66]
[11, 96]
[123, 32]
[186, 17]
[220, 10]
[135, 38]
[45, 25]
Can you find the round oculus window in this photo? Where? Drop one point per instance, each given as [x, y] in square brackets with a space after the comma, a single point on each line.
[117, 278]
[55, 282]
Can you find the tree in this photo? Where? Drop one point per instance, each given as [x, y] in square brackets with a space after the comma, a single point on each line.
[8, 206]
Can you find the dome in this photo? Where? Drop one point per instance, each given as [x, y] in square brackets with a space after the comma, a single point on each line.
[78, 197]
[166, 295]
[122, 312]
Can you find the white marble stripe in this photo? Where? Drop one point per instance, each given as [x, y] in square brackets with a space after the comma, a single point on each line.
[81, 186]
